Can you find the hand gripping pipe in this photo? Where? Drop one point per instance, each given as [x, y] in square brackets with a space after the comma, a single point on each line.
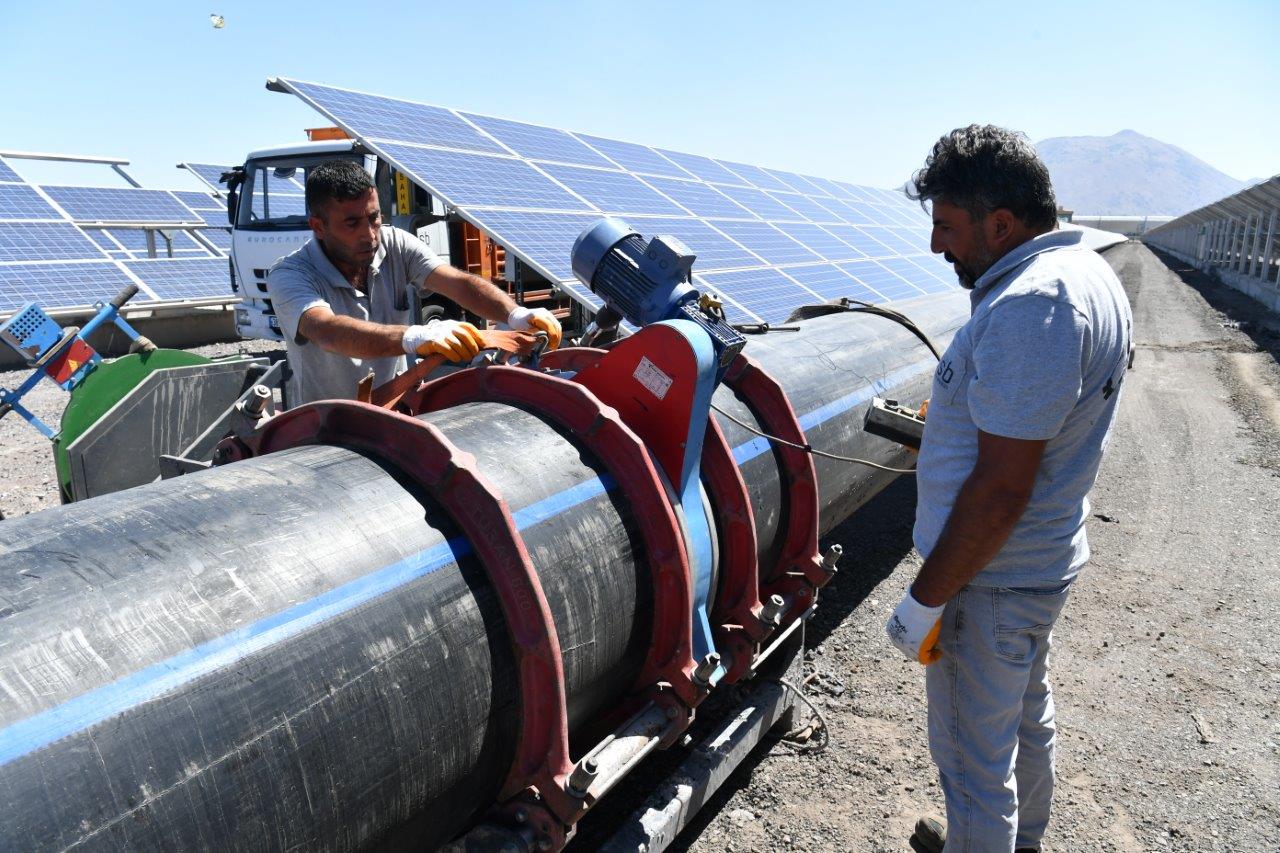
[304, 649]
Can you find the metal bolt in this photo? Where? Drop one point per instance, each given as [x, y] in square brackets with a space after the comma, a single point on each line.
[672, 713]
[582, 776]
[832, 557]
[707, 668]
[257, 400]
[772, 610]
[545, 843]
[521, 815]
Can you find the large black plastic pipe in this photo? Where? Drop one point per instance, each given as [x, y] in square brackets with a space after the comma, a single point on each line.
[299, 651]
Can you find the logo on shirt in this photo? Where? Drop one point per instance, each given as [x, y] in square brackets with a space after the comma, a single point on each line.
[945, 373]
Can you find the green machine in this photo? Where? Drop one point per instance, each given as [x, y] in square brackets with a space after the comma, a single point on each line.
[129, 419]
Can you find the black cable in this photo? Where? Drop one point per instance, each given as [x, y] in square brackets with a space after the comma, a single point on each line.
[897, 316]
[810, 449]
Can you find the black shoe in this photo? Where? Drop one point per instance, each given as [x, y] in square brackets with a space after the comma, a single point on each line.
[930, 835]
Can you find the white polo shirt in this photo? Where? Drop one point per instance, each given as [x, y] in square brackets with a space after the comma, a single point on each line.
[307, 278]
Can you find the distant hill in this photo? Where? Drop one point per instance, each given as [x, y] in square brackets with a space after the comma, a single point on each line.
[1129, 173]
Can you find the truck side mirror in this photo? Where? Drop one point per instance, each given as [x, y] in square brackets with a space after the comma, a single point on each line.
[233, 179]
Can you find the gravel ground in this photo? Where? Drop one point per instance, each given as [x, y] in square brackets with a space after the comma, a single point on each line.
[1165, 667]
[1166, 673]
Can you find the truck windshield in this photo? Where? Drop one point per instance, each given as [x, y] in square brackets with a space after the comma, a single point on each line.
[272, 194]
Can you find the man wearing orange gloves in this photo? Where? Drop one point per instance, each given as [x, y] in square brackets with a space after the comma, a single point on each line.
[1023, 402]
[336, 297]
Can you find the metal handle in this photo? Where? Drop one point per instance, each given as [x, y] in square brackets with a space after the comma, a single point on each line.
[124, 296]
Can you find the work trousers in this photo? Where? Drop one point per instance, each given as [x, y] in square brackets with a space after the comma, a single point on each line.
[991, 720]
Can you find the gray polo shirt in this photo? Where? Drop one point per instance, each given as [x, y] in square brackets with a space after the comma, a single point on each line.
[307, 278]
[1042, 357]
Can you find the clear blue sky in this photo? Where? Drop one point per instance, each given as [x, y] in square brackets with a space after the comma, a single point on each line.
[841, 89]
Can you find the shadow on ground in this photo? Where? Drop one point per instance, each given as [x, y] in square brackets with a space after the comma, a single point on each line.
[1254, 319]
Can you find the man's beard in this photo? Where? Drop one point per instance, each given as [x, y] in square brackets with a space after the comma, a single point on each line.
[968, 274]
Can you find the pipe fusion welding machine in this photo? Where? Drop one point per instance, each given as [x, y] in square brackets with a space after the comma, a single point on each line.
[642, 408]
[649, 285]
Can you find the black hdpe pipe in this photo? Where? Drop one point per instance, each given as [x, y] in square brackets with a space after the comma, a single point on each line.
[298, 651]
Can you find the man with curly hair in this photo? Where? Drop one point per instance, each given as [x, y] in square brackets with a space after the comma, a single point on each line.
[1022, 405]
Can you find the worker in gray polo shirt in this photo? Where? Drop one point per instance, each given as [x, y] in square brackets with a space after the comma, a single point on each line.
[1022, 405]
[336, 297]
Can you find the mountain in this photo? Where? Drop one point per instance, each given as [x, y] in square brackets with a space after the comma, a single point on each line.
[1129, 173]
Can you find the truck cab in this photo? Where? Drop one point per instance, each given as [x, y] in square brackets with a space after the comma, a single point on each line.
[267, 211]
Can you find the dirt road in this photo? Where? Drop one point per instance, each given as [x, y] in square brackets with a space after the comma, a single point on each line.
[1165, 667]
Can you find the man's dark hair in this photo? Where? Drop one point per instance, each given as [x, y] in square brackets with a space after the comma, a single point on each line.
[335, 180]
[983, 167]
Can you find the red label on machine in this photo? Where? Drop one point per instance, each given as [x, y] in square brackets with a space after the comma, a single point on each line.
[68, 362]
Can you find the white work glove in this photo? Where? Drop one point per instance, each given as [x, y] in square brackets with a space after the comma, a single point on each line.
[914, 628]
[453, 339]
[523, 319]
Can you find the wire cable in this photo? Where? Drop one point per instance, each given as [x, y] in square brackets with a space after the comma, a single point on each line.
[810, 449]
[822, 723]
[898, 317]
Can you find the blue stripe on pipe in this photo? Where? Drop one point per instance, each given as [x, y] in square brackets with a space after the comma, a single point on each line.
[88, 709]
[749, 450]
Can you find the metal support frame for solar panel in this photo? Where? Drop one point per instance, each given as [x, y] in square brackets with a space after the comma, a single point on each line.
[533, 189]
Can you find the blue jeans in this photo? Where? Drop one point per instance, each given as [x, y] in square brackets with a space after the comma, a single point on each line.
[991, 723]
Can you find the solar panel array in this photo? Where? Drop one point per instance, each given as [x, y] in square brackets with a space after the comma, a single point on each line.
[71, 246]
[767, 240]
[208, 174]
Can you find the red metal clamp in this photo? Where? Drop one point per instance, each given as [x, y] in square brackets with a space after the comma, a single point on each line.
[450, 476]
[799, 571]
[598, 427]
[736, 615]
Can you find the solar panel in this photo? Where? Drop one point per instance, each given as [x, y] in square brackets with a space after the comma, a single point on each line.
[769, 294]
[768, 239]
[698, 198]
[478, 180]
[880, 279]
[830, 282]
[756, 176]
[541, 238]
[899, 243]
[767, 242]
[53, 241]
[209, 174]
[60, 285]
[182, 278]
[819, 240]
[219, 237]
[7, 175]
[120, 204]
[760, 203]
[703, 167]
[806, 207]
[199, 201]
[538, 143]
[378, 117]
[793, 181]
[714, 250]
[634, 158]
[612, 192]
[19, 201]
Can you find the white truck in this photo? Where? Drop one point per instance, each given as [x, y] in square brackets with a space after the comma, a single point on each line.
[268, 216]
